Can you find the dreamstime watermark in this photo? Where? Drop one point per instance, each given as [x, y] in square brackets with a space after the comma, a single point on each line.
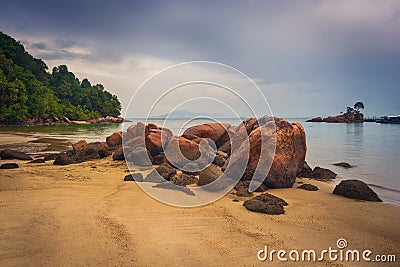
[214, 88]
[339, 253]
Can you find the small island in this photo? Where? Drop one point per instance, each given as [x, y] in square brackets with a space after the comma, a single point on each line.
[352, 115]
[30, 95]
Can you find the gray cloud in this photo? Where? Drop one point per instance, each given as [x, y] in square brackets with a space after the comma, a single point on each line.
[333, 52]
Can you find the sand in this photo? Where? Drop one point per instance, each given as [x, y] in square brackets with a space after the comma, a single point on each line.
[86, 215]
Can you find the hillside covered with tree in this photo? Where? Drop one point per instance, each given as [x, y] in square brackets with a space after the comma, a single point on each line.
[29, 91]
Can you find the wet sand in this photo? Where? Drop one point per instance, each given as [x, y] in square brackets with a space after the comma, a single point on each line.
[85, 214]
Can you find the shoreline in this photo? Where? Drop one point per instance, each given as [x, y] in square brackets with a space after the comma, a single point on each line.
[63, 207]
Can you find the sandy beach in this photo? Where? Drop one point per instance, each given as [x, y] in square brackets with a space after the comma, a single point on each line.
[86, 215]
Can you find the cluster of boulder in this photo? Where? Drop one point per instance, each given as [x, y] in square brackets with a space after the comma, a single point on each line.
[348, 117]
[144, 145]
[317, 173]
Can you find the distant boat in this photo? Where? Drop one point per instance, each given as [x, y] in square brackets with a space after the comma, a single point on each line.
[389, 119]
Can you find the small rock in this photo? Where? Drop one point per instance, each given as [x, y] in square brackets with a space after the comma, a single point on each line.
[235, 200]
[343, 164]
[243, 192]
[13, 154]
[37, 161]
[166, 171]
[50, 156]
[308, 187]
[266, 203]
[323, 174]
[209, 175]
[305, 171]
[159, 159]
[138, 177]
[9, 166]
[356, 189]
[183, 179]
[167, 185]
[245, 184]
[219, 161]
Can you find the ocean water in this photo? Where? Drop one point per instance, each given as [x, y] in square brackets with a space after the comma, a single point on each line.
[373, 148]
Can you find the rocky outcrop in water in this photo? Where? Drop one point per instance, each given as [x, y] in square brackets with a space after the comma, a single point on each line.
[348, 117]
[356, 189]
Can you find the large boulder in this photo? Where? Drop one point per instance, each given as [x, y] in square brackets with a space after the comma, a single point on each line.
[13, 154]
[356, 189]
[323, 174]
[266, 203]
[156, 139]
[78, 146]
[290, 152]
[189, 150]
[215, 131]
[114, 140]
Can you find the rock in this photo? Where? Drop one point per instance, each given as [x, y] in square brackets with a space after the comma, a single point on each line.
[189, 150]
[50, 157]
[156, 139]
[139, 157]
[114, 140]
[191, 166]
[323, 174]
[166, 171]
[100, 147]
[245, 185]
[266, 203]
[356, 189]
[308, 187]
[37, 161]
[154, 177]
[209, 175]
[9, 166]
[343, 164]
[347, 117]
[317, 119]
[135, 130]
[235, 200]
[83, 152]
[184, 179]
[158, 159]
[288, 157]
[305, 171]
[77, 147]
[167, 185]
[219, 161]
[214, 131]
[138, 177]
[13, 154]
[62, 159]
[118, 154]
[243, 192]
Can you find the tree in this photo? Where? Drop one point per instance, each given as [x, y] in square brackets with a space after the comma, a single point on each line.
[85, 83]
[359, 105]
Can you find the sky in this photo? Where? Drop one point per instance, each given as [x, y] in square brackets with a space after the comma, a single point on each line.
[309, 58]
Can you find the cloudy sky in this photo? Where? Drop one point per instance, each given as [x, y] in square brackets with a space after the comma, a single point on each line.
[308, 57]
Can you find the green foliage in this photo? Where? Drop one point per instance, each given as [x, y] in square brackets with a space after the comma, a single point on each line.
[29, 91]
[359, 105]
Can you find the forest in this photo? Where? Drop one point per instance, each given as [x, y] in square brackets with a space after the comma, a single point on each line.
[29, 90]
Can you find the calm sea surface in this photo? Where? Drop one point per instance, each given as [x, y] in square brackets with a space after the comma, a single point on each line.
[372, 147]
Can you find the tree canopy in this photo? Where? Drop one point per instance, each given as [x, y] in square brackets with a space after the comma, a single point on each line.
[29, 91]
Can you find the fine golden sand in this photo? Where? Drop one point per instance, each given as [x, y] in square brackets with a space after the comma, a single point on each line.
[86, 215]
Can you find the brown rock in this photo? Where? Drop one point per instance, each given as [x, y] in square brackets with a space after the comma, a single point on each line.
[188, 149]
[323, 174]
[266, 203]
[184, 179]
[214, 131]
[156, 139]
[118, 154]
[115, 139]
[79, 146]
[356, 189]
[288, 157]
[316, 119]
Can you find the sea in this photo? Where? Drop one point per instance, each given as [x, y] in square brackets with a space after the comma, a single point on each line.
[372, 148]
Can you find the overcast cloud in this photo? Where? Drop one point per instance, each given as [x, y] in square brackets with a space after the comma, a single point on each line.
[308, 57]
